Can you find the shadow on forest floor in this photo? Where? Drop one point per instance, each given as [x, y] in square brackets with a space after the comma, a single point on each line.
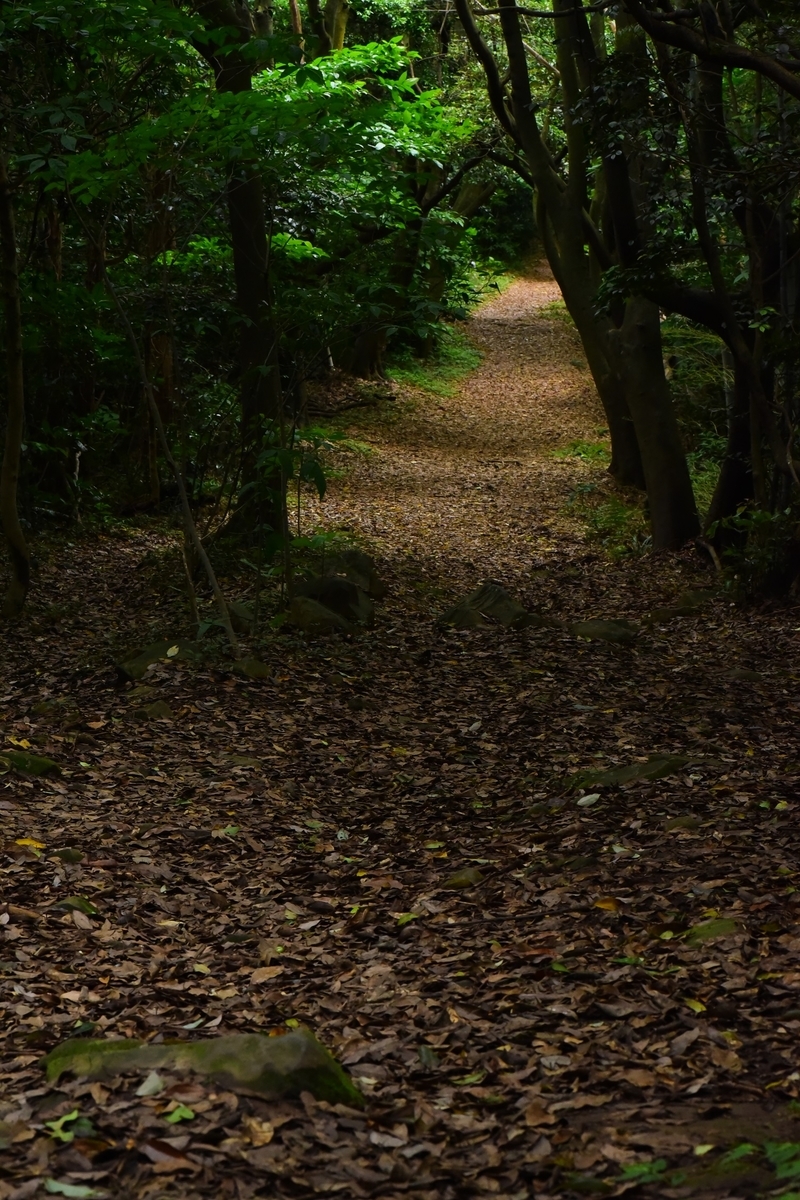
[611, 1001]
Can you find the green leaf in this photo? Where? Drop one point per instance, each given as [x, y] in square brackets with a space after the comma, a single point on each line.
[404, 918]
[78, 1191]
[428, 1057]
[743, 1151]
[707, 930]
[77, 902]
[467, 1080]
[644, 1172]
[467, 877]
[181, 1113]
[69, 855]
[785, 1158]
[57, 1129]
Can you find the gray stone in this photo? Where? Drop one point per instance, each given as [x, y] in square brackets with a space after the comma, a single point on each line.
[490, 604]
[359, 568]
[340, 596]
[310, 616]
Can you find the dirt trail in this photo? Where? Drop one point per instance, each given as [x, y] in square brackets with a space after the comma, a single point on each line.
[618, 985]
[472, 477]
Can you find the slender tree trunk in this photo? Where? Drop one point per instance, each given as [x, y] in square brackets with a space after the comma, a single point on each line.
[470, 198]
[735, 481]
[18, 551]
[370, 343]
[259, 362]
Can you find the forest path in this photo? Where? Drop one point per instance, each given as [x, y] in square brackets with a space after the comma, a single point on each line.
[619, 981]
[471, 479]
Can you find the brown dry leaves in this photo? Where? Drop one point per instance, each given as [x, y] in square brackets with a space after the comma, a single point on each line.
[278, 850]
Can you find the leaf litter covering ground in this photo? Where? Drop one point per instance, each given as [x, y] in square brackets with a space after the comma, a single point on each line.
[618, 984]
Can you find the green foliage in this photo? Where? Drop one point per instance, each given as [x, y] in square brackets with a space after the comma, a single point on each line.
[453, 358]
[765, 558]
[698, 379]
[504, 227]
[593, 453]
[615, 522]
[556, 310]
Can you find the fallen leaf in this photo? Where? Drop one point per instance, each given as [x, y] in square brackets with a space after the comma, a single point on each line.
[264, 974]
[536, 1114]
[467, 877]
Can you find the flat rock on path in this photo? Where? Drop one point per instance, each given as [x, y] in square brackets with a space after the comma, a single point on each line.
[619, 982]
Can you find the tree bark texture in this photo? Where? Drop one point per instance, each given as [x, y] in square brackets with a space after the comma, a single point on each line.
[673, 512]
[18, 551]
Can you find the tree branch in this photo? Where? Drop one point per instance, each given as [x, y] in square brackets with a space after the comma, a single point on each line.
[662, 28]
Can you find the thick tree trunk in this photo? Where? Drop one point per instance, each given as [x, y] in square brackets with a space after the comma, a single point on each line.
[15, 417]
[259, 362]
[673, 511]
[626, 458]
[572, 269]
[329, 23]
[258, 341]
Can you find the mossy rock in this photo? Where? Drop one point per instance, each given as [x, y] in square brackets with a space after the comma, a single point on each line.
[251, 668]
[689, 604]
[339, 595]
[619, 632]
[135, 666]
[241, 615]
[658, 766]
[491, 604]
[312, 617]
[359, 568]
[28, 764]
[158, 710]
[276, 1067]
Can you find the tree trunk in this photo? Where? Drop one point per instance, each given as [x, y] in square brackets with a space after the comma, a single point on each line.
[9, 472]
[370, 343]
[572, 269]
[259, 364]
[469, 199]
[673, 512]
[330, 24]
[735, 480]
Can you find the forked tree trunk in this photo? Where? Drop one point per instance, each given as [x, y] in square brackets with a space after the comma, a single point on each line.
[18, 551]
